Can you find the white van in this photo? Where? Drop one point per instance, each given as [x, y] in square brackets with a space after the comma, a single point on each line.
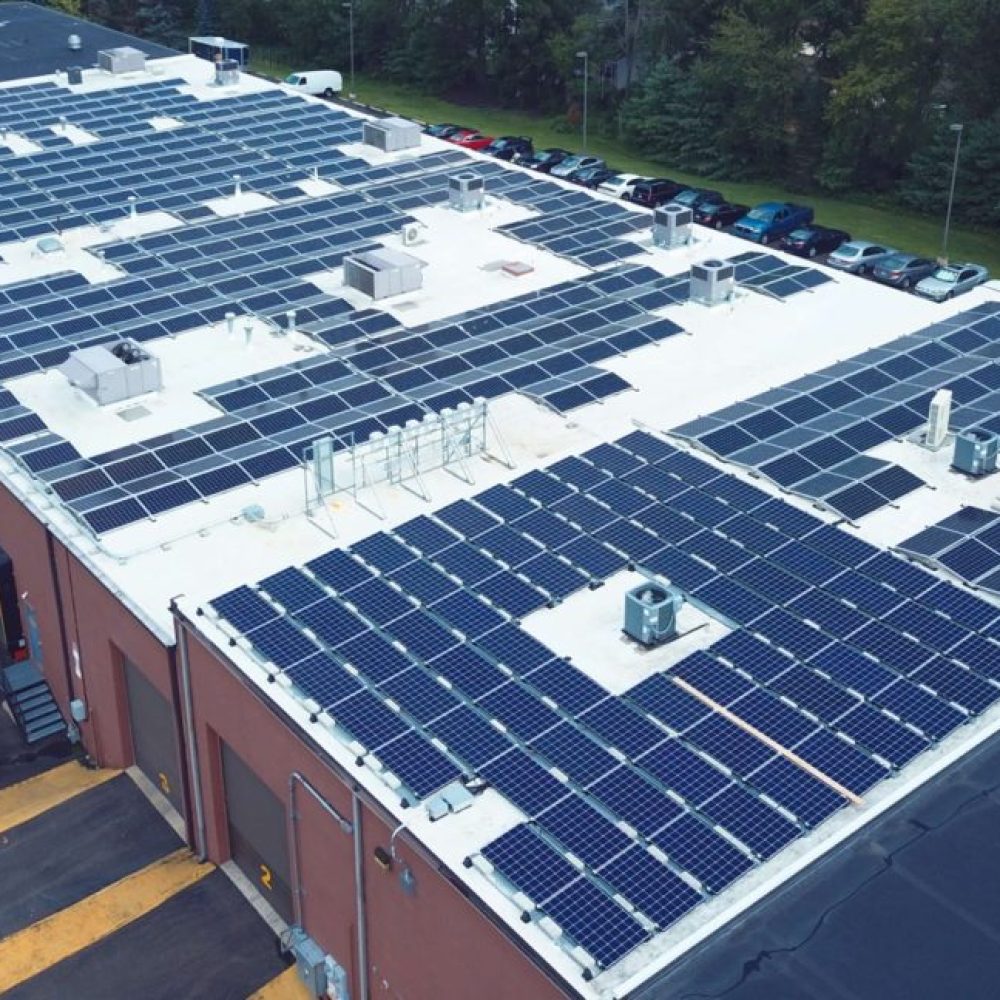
[319, 82]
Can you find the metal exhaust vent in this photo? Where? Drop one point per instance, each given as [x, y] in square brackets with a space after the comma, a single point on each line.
[712, 282]
[391, 134]
[381, 273]
[110, 376]
[651, 613]
[466, 192]
[673, 226]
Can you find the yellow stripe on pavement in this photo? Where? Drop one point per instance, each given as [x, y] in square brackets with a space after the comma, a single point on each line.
[34, 949]
[33, 796]
[287, 986]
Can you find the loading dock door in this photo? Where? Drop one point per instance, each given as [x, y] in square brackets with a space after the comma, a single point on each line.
[258, 838]
[154, 740]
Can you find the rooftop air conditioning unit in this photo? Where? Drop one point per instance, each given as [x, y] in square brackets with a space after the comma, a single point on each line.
[651, 613]
[466, 192]
[976, 451]
[384, 272]
[938, 417]
[712, 282]
[124, 59]
[673, 226]
[110, 376]
[74, 75]
[227, 72]
[391, 134]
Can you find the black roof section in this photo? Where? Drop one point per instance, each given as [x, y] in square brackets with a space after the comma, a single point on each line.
[33, 41]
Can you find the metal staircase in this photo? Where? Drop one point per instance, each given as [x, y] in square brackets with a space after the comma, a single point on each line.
[31, 703]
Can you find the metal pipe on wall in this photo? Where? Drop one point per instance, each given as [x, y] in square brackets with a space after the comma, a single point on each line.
[294, 779]
[191, 739]
[359, 896]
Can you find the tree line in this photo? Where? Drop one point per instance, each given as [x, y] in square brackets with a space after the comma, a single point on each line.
[841, 96]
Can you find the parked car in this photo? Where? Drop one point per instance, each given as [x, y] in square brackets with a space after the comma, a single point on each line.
[544, 160]
[573, 163]
[657, 191]
[444, 129]
[694, 197]
[954, 279]
[903, 270]
[590, 177]
[811, 241]
[719, 215]
[509, 147]
[859, 256]
[620, 185]
[469, 139]
[772, 220]
[318, 82]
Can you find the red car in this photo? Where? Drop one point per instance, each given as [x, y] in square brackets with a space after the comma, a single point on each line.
[470, 139]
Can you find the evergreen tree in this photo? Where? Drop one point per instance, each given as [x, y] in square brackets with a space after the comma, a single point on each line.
[206, 18]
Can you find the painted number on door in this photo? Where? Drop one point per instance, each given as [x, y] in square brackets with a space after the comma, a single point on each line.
[266, 877]
[164, 784]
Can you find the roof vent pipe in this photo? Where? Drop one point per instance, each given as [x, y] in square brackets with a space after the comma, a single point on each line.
[131, 206]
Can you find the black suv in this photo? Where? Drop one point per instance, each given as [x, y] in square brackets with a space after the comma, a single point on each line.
[658, 191]
[510, 147]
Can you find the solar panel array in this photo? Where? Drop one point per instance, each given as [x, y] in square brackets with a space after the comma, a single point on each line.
[379, 375]
[639, 806]
[810, 436]
[966, 543]
[769, 275]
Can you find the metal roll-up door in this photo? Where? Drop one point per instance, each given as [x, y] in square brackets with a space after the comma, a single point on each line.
[258, 837]
[154, 738]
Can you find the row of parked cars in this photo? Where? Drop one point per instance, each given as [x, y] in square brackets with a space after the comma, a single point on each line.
[789, 226]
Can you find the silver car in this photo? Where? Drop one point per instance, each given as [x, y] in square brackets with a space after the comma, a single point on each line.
[859, 256]
[947, 282]
[573, 163]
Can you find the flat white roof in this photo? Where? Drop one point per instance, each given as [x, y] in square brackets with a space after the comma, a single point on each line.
[725, 354]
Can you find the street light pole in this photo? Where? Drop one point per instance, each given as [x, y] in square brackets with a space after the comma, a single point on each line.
[583, 56]
[957, 128]
[350, 12]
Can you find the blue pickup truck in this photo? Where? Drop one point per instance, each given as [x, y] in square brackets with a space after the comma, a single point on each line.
[772, 220]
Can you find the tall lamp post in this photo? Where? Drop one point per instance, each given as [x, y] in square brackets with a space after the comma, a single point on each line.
[349, 6]
[957, 128]
[583, 56]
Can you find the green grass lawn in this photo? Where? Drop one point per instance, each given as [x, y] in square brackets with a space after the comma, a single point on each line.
[905, 230]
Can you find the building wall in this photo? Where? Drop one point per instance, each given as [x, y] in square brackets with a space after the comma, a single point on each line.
[431, 944]
[84, 631]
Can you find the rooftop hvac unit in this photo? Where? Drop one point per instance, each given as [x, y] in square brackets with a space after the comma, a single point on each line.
[976, 451]
[651, 613]
[214, 47]
[466, 192]
[712, 282]
[391, 134]
[672, 225]
[938, 417]
[74, 75]
[381, 273]
[110, 376]
[124, 59]
[227, 73]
